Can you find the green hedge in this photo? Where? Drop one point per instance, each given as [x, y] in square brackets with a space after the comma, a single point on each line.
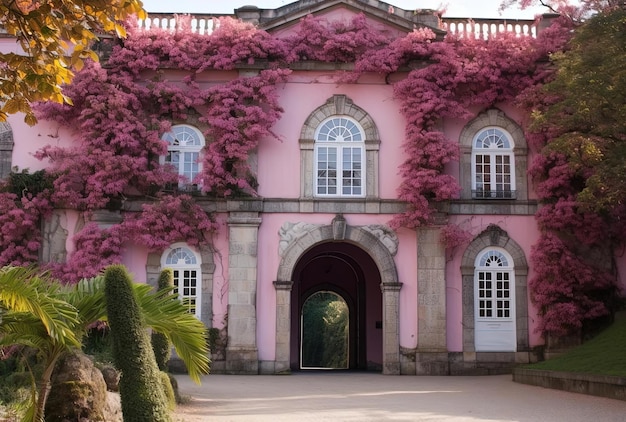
[141, 388]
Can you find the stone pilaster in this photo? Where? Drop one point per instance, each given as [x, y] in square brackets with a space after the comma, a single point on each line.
[432, 352]
[391, 328]
[283, 325]
[54, 236]
[241, 352]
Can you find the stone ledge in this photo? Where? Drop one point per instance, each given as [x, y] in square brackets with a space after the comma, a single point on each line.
[595, 385]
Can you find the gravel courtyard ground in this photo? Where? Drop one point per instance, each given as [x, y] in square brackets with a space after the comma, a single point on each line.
[331, 396]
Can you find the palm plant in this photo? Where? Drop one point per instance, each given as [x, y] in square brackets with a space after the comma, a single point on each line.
[52, 318]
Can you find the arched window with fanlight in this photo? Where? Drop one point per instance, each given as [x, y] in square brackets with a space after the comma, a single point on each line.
[493, 165]
[185, 265]
[185, 144]
[339, 158]
[494, 301]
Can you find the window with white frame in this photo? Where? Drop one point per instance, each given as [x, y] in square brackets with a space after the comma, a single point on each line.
[493, 165]
[339, 158]
[494, 285]
[183, 151]
[185, 265]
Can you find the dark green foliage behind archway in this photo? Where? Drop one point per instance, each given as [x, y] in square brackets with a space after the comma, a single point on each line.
[325, 335]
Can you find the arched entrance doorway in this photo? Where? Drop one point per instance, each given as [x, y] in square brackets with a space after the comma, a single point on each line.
[349, 273]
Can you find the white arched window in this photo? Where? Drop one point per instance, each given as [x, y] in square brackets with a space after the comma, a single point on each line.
[339, 158]
[493, 165]
[494, 301]
[183, 151]
[185, 265]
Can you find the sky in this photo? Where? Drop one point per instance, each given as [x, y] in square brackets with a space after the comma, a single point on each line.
[454, 8]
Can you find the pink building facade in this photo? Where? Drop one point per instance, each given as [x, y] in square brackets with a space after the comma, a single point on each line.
[327, 192]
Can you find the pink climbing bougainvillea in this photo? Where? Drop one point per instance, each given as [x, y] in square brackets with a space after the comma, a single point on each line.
[20, 236]
[168, 220]
[96, 248]
[121, 111]
[240, 113]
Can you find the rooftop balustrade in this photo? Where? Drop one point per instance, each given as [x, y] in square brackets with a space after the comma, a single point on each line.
[487, 28]
[462, 27]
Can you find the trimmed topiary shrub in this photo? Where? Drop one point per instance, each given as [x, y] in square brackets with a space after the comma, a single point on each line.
[168, 390]
[174, 383]
[160, 343]
[141, 388]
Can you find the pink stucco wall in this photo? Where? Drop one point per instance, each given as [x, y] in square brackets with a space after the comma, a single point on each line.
[306, 91]
[135, 258]
[29, 139]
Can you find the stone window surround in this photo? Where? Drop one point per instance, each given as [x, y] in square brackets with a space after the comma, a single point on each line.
[493, 118]
[495, 237]
[6, 149]
[338, 105]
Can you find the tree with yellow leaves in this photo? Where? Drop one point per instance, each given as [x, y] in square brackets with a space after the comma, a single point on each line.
[54, 37]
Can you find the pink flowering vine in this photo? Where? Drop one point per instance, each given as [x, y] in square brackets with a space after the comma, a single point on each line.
[20, 233]
[120, 113]
[169, 220]
[240, 113]
[96, 248]
[569, 287]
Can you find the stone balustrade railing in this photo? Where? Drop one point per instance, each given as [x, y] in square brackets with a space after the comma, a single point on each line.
[485, 28]
[464, 27]
[199, 23]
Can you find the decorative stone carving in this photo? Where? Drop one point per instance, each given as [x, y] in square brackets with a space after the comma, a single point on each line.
[339, 227]
[495, 232]
[290, 232]
[385, 235]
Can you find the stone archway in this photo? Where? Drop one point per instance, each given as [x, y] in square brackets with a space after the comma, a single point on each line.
[378, 241]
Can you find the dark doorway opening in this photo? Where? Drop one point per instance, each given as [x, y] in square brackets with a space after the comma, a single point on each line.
[345, 275]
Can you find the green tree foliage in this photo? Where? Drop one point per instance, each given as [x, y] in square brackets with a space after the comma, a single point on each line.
[588, 109]
[579, 122]
[160, 343]
[53, 319]
[56, 35]
[33, 314]
[325, 331]
[142, 395]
